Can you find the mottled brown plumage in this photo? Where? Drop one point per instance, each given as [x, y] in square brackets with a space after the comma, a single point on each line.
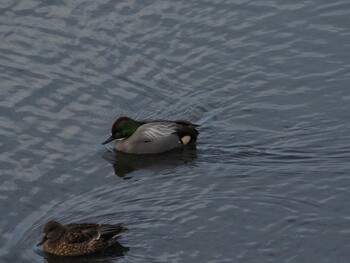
[79, 239]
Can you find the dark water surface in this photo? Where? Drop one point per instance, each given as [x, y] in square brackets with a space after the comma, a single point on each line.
[268, 81]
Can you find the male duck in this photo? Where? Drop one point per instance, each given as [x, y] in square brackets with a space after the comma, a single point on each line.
[150, 137]
[79, 239]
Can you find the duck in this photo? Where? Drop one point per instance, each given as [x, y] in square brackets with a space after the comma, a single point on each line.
[151, 136]
[79, 239]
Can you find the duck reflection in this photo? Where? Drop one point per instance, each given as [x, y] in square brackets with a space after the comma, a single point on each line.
[106, 256]
[124, 163]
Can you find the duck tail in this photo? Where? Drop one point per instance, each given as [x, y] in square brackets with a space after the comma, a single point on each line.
[186, 134]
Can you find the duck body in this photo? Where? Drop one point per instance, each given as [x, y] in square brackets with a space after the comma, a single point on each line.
[152, 136]
[79, 239]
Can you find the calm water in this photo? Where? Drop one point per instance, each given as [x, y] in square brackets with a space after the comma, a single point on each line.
[268, 81]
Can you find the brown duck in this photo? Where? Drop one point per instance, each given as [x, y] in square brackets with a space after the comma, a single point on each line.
[79, 239]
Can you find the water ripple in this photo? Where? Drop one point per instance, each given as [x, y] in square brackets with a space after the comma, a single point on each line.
[267, 81]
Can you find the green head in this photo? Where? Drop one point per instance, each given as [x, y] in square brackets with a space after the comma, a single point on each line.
[122, 128]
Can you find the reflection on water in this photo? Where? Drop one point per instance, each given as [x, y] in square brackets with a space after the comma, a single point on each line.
[106, 256]
[124, 163]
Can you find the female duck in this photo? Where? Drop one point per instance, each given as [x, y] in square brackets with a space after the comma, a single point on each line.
[79, 239]
[150, 137]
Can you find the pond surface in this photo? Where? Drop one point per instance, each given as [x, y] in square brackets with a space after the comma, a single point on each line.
[268, 81]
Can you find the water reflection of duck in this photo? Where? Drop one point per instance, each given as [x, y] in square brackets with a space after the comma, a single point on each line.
[152, 136]
[79, 239]
[108, 255]
[124, 163]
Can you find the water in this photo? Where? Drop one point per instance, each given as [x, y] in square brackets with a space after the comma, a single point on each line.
[268, 83]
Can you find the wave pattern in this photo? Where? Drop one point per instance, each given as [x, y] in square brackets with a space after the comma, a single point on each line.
[268, 83]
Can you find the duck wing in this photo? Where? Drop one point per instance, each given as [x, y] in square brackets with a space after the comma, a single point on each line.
[179, 122]
[187, 124]
[153, 131]
[158, 130]
[105, 231]
[80, 233]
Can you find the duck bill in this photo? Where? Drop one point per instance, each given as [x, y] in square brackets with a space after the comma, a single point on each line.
[109, 140]
[42, 241]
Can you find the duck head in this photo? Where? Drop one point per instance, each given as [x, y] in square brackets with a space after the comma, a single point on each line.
[122, 128]
[52, 231]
